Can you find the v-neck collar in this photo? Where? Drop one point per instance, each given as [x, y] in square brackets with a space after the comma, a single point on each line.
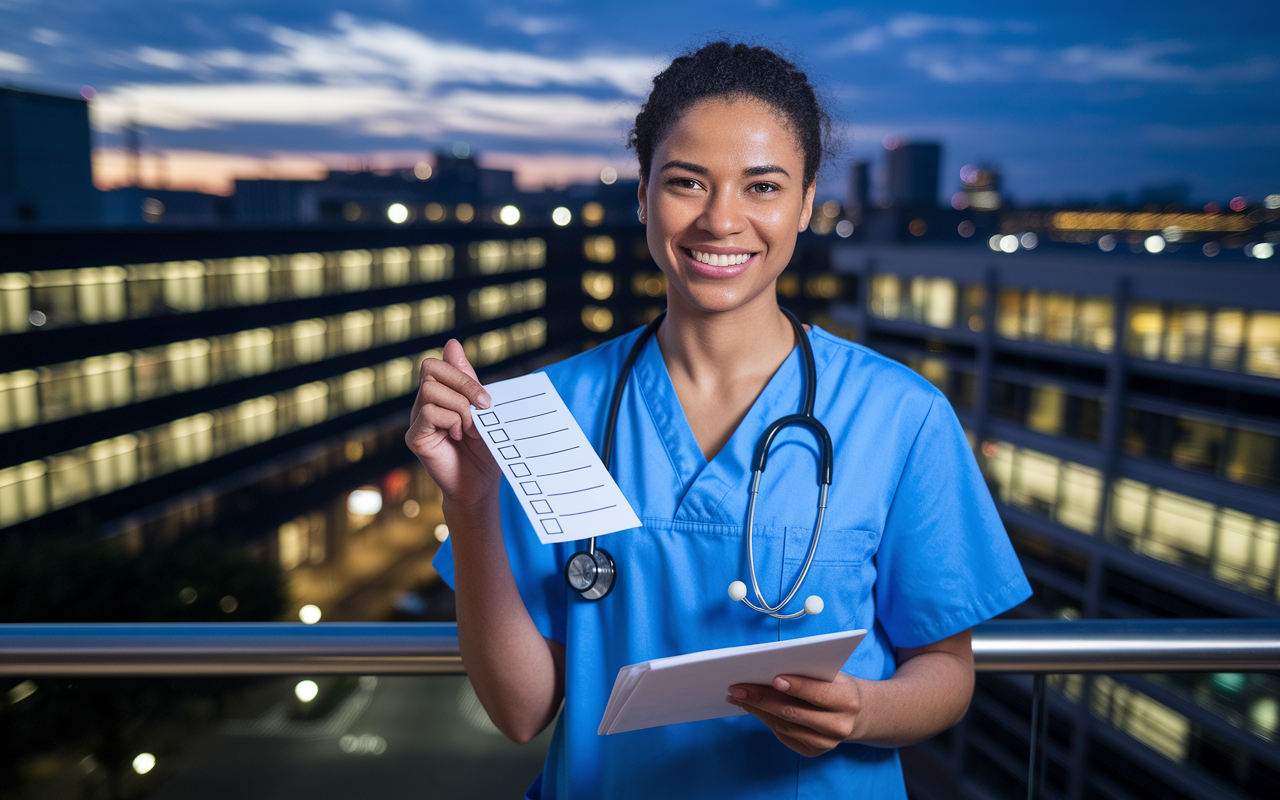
[703, 485]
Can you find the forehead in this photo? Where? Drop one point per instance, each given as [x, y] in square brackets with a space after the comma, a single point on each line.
[732, 132]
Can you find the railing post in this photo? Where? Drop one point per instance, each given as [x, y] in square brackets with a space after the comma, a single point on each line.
[1039, 730]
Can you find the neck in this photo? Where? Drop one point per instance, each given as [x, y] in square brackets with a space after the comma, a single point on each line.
[712, 349]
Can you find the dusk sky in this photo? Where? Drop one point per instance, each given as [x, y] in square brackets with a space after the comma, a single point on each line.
[1070, 100]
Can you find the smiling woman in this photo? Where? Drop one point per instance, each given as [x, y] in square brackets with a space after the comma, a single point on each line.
[729, 141]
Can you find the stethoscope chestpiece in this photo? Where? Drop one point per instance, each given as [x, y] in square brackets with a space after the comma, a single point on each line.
[591, 573]
[813, 604]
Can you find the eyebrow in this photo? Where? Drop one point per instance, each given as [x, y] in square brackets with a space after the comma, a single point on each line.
[749, 172]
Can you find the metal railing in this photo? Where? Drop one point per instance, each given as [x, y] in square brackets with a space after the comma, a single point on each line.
[1037, 647]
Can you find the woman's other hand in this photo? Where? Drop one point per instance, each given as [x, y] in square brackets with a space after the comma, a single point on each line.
[442, 434]
[807, 715]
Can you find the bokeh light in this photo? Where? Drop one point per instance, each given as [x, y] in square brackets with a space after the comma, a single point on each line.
[1009, 243]
[1029, 240]
[144, 763]
[959, 201]
[1107, 243]
[509, 215]
[461, 149]
[844, 229]
[1239, 204]
[1263, 250]
[890, 142]
[464, 212]
[306, 691]
[561, 216]
[1154, 243]
[442, 533]
[1211, 249]
[966, 228]
[365, 500]
[592, 214]
[608, 176]
[397, 213]
[309, 614]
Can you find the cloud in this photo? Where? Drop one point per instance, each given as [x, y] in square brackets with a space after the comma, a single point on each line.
[46, 36]
[1142, 62]
[384, 80]
[12, 62]
[915, 25]
[532, 25]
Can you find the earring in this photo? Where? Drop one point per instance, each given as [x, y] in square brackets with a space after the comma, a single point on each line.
[640, 214]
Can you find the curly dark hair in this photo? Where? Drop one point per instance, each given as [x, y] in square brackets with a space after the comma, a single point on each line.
[721, 69]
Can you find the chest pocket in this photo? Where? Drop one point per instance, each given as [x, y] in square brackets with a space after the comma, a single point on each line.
[843, 574]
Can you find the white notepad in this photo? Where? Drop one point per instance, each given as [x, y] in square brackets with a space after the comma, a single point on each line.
[693, 687]
[562, 485]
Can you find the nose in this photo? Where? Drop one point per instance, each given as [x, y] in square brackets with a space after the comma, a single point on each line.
[723, 214]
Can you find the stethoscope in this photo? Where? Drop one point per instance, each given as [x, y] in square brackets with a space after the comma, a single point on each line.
[592, 572]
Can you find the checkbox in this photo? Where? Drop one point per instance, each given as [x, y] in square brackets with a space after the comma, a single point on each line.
[541, 507]
[489, 419]
[499, 435]
[551, 525]
[530, 487]
[520, 469]
[509, 452]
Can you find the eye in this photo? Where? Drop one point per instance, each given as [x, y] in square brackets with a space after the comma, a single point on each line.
[684, 183]
[764, 188]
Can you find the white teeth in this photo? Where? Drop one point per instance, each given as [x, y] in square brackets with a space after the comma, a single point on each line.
[720, 260]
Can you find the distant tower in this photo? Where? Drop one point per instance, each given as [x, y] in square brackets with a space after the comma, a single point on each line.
[859, 188]
[981, 186]
[913, 174]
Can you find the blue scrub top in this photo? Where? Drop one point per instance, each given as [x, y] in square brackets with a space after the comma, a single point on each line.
[912, 550]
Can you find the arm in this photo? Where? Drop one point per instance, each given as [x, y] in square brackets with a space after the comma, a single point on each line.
[929, 693]
[517, 674]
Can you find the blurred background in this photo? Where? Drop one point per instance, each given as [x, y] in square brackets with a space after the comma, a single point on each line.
[230, 232]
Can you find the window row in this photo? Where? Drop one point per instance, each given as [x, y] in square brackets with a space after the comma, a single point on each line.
[59, 298]
[956, 384]
[1032, 315]
[1051, 487]
[1235, 453]
[1048, 408]
[33, 396]
[37, 487]
[1235, 548]
[491, 302]
[1222, 338]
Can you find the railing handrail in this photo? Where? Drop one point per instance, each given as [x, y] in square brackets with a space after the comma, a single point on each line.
[390, 648]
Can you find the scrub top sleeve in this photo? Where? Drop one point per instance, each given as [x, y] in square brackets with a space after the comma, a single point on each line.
[537, 568]
[945, 562]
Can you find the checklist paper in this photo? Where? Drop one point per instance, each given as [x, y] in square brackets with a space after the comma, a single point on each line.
[562, 485]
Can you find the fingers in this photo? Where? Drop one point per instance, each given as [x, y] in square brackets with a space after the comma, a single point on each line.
[821, 694]
[834, 722]
[456, 357]
[443, 407]
[805, 741]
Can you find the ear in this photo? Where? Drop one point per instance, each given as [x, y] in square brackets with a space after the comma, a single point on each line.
[642, 197]
[806, 209]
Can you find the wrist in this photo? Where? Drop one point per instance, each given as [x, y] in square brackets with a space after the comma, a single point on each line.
[858, 707]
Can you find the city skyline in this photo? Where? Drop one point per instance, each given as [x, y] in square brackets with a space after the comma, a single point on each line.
[1082, 105]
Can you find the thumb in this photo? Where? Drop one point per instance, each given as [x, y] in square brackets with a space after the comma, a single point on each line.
[455, 356]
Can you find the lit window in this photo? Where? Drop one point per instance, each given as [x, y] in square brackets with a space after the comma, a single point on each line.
[22, 492]
[355, 269]
[435, 314]
[309, 340]
[397, 322]
[184, 288]
[15, 302]
[358, 389]
[253, 351]
[435, 262]
[395, 266]
[19, 400]
[1228, 336]
[250, 280]
[306, 274]
[597, 285]
[357, 331]
[600, 249]
[1263, 344]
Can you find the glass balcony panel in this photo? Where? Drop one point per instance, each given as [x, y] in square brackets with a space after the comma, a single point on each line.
[1009, 313]
[1081, 492]
[1255, 459]
[886, 296]
[1046, 409]
[1228, 336]
[1181, 528]
[1095, 324]
[1155, 725]
[1198, 445]
[1187, 338]
[1146, 328]
[1035, 481]
[1263, 344]
[1059, 318]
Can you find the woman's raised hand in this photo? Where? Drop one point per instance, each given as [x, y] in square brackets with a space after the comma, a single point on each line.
[442, 434]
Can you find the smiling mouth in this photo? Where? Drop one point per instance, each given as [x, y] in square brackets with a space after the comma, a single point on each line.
[714, 260]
